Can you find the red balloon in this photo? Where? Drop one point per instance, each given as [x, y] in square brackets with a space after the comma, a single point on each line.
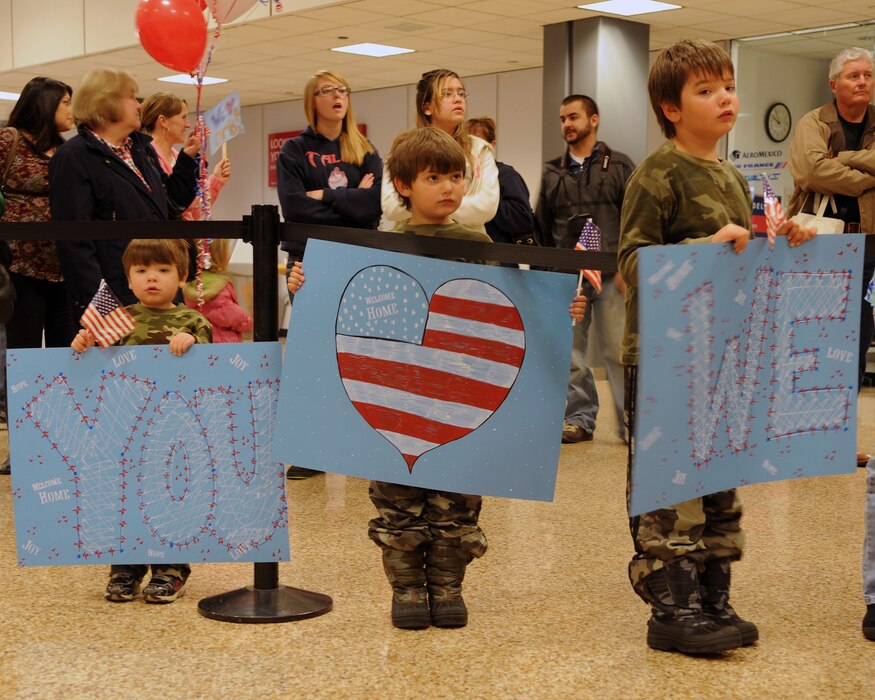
[173, 32]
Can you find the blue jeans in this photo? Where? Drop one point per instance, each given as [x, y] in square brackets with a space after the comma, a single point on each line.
[869, 539]
[608, 312]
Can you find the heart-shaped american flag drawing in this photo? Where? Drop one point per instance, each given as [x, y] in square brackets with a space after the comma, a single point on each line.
[424, 373]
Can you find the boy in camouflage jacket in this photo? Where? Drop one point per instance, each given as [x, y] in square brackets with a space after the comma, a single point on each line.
[156, 270]
[684, 193]
[428, 537]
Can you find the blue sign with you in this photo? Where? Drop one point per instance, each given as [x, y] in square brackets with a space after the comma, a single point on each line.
[130, 455]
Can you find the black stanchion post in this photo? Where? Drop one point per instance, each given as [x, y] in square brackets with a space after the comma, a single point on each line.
[266, 600]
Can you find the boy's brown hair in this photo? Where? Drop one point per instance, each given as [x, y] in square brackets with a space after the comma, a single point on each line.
[419, 150]
[674, 66]
[160, 251]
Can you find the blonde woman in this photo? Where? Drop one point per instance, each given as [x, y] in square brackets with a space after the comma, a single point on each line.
[326, 174]
[329, 174]
[164, 117]
[107, 173]
[442, 102]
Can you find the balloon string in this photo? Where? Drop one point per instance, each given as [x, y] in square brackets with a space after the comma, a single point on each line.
[202, 193]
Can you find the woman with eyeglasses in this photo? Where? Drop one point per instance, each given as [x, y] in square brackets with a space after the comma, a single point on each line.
[329, 174]
[326, 174]
[441, 101]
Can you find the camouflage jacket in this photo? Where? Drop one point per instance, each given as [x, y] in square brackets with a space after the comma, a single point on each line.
[674, 198]
[158, 326]
[451, 230]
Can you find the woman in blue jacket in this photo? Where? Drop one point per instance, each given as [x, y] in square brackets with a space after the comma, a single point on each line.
[514, 220]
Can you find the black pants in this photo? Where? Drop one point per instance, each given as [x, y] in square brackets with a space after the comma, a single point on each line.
[40, 306]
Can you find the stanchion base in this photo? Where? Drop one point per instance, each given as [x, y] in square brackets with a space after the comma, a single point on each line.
[256, 605]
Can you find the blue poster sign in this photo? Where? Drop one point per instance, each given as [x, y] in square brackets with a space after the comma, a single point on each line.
[130, 455]
[442, 375]
[748, 366]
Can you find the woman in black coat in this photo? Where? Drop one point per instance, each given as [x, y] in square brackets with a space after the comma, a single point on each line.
[109, 172]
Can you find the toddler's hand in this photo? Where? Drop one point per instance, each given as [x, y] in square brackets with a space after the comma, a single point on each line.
[181, 342]
[83, 340]
[735, 234]
[577, 308]
[366, 181]
[796, 233]
[296, 277]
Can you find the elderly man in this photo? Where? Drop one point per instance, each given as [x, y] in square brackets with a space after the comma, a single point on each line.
[833, 153]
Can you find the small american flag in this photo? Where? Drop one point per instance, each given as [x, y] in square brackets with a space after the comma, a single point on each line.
[105, 318]
[591, 239]
[774, 212]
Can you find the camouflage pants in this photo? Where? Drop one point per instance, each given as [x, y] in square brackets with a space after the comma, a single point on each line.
[411, 517]
[699, 530]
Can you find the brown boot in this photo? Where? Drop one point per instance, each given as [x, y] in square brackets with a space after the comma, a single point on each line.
[406, 574]
[445, 570]
[714, 582]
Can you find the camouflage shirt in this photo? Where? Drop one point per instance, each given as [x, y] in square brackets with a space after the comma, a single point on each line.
[158, 326]
[451, 230]
[674, 198]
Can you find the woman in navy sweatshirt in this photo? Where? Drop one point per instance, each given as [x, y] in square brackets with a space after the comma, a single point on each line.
[327, 174]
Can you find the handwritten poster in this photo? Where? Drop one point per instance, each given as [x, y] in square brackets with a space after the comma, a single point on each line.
[133, 455]
[748, 366]
[224, 121]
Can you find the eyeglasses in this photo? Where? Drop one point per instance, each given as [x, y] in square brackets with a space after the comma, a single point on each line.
[328, 91]
[450, 94]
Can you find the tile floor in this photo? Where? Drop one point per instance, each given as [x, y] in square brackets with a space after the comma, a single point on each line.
[552, 614]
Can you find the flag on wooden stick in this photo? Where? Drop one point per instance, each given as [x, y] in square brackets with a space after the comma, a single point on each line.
[105, 318]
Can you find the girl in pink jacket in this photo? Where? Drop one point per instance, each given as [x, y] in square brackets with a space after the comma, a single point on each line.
[220, 304]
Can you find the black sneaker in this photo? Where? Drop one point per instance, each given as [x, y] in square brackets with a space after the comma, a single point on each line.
[163, 588]
[869, 623]
[122, 587]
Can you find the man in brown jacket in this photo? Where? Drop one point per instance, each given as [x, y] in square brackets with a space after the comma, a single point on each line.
[833, 153]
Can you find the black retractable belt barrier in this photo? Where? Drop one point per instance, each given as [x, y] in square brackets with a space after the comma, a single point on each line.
[266, 600]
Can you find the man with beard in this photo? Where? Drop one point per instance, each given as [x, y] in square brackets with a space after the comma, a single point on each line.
[588, 181]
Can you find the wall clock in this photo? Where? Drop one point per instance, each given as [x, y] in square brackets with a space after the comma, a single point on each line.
[778, 122]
